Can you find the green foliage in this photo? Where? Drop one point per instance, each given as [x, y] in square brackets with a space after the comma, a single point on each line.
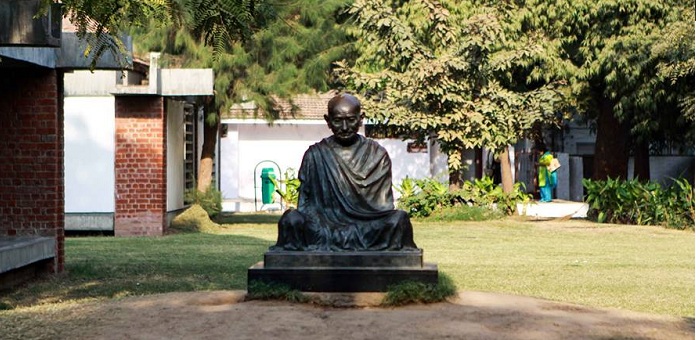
[210, 200]
[421, 197]
[449, 70]
[288, 188]
[635, 202]
[483, 192]
[417, 292]
[630, 59]
[99, 22]
[424, 197]
[259, 290]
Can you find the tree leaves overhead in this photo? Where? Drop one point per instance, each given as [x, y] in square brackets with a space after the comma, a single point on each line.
[450, 70]
[217, 22]
[101, 23]
[288, 48]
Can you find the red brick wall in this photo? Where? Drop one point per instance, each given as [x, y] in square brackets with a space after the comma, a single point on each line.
[31, 155]
[141, 169]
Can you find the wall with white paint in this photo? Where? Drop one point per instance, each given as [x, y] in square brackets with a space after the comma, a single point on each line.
[89, 154]
[249, 147]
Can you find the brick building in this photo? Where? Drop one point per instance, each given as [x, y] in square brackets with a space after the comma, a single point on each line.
[34, 66]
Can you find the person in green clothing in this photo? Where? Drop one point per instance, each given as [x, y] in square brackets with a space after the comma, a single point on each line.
[547, 179]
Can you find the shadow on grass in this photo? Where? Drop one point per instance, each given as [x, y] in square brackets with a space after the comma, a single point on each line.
[100, 267]
[238, 218]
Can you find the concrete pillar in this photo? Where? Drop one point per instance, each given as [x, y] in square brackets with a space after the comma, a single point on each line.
[141, 169]
[563, 173]
[576, 176]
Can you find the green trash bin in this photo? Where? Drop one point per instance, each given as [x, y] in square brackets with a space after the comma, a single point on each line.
[267, 186]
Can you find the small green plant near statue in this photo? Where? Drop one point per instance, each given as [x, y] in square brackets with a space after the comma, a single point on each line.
[477, 200]
[259, 290]
[417, 292]
[288, 187]
[210, 200]
[642, 203]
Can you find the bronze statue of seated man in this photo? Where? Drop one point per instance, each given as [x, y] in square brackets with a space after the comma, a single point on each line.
[345, 196]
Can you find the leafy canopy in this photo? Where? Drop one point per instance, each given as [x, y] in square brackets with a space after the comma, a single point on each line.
[458, 71]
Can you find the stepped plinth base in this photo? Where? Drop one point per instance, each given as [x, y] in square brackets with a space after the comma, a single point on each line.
[343, 271]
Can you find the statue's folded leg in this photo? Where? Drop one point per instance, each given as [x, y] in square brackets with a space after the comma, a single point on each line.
[392, 232]
[290, 231]
[296, 232]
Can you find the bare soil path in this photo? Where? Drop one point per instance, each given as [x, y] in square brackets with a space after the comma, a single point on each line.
[470, 315]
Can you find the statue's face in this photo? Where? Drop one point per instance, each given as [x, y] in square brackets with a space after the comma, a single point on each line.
[345, 121]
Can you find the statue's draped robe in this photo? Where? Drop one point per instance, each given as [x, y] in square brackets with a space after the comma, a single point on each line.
[345, 202]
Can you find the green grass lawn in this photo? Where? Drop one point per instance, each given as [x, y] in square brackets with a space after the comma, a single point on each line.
[647, 269]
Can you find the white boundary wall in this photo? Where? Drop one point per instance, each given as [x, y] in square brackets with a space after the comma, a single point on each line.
[247, 145]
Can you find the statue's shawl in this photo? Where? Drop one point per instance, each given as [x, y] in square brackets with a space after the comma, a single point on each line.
[345, 187]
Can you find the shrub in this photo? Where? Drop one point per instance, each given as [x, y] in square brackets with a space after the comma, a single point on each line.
[485, 193]
[210, 200]
[425, 197]
[421, 197]
[643, 203]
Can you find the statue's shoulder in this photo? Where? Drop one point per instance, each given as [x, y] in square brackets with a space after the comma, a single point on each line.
[373, 144]
[369, 141]
[320, 146]
[324, 143]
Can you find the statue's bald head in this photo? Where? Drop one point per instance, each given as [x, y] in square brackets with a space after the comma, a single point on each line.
[344, 103]
[344, 118]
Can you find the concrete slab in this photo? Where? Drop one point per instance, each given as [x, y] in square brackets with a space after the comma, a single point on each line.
[342, 279]
[16, 252]
[555, 209]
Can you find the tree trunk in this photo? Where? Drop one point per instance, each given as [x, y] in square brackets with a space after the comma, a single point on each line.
[505, 171]
[205, 171]
[611, 147]
[641, 161]
[455, 180]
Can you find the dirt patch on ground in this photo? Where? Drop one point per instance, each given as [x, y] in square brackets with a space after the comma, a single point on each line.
[225, 315]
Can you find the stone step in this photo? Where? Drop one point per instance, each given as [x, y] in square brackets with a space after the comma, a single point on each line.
[342, 279]
[363, 259]
[19, 251]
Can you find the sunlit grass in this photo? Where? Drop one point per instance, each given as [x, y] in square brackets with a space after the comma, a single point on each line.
[648, 269]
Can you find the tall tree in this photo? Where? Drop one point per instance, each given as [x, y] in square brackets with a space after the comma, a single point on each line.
[290, 51]
[448, 69]
[609, 47]
[665, 100]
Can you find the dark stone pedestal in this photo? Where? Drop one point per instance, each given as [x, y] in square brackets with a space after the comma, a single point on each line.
[343, 271]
